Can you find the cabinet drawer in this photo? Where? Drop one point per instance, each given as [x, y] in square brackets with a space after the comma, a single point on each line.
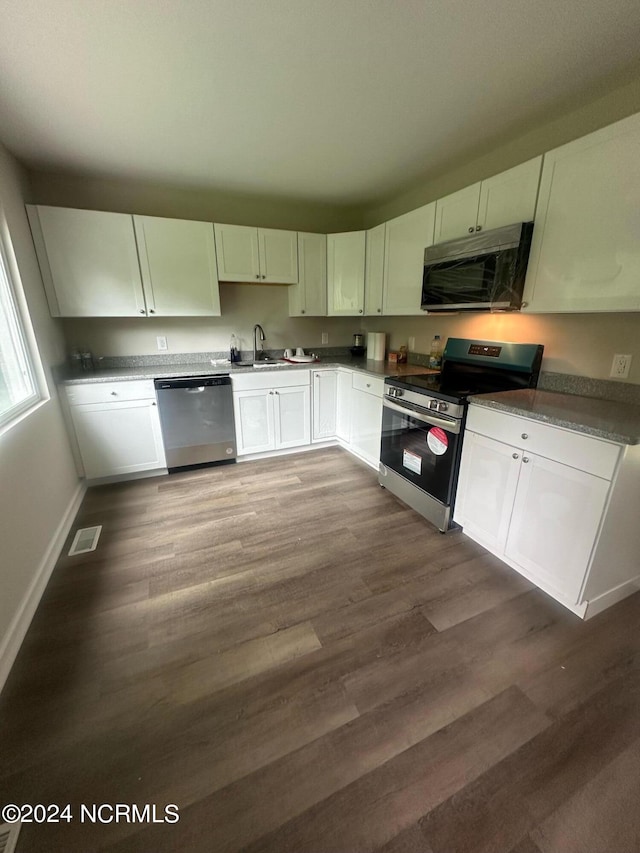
[270, 379]
[571, 448]
[369, 384]
[109, 392]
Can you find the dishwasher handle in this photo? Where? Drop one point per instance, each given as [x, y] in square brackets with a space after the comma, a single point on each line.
[194, 384]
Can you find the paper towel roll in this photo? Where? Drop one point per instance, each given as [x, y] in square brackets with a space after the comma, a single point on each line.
[376, 345]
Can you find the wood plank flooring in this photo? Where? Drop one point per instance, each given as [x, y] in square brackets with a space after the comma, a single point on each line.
[301, 663]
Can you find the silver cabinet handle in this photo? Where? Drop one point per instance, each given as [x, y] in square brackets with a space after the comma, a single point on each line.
[524, 435]
[360, 311]
[142, 310]
[114, 393]
[471, 230]
[525, 459]
[515, 456]
[478, 227]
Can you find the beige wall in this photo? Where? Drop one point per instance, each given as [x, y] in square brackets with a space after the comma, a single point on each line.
[37, 473]
[243, 305]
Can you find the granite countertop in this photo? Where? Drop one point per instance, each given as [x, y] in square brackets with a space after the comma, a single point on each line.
[169, 371]
[613, 421]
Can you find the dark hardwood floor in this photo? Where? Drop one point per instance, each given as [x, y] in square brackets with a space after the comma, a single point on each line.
[301, 663]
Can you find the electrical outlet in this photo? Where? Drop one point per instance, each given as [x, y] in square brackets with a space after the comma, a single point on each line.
[620, 366]
[412, 344]
[325, 337]
[161, 342]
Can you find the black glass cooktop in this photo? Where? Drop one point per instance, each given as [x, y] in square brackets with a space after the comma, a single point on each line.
[456, 386]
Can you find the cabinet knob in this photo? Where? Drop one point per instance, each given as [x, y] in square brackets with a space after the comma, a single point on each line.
[379, 310]
[153, 404]
[478, 227]
[302, 310]
[275, 392]
[471, 230]
[524, 435]
[114, 393]
[360, 311]
[515, 455]
[264, 276]
[152, 310]
[142, 310]
[525, 459]
[257, 276]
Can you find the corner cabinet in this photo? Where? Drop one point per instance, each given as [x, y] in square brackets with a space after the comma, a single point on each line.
[308, 298]
[256, 255]
[271, 412]
[585, 254]
[406, 238]
[100, 264]
[551, 503]
[500, 200]
[345, 273]
[117, 427]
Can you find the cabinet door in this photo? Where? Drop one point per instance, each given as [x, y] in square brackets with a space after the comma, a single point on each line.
[510, 196]
[487, 482]
[309, 296]
[178, 262]
[253, 413]
[374, 270]
[278, 252]
[406, 239]
[366, 426]
[585, 254]
[118, 438]
[292, 408]
[343, 414]
[345, 273]
[89, 262]
[555, 521]
[237, 251]
[325, 390]
[457, 214]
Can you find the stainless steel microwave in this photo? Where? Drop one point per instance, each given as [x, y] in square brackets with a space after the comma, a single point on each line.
[482, 272]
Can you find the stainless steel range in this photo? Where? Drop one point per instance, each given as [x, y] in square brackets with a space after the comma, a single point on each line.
[423, 419]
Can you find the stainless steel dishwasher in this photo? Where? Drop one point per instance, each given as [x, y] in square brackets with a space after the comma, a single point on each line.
[196, 415]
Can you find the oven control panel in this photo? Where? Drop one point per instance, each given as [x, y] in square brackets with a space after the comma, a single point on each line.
[491, 351]
[438, 405]
[395, 392]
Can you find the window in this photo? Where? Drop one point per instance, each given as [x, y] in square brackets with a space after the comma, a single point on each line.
[19, 388]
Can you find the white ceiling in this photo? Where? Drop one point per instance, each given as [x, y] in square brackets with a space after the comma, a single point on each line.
[339, 101]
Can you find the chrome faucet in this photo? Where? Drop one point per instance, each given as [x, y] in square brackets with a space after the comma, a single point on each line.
[261, 355]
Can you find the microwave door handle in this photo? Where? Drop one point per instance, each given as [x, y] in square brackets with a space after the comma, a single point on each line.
[450, 424]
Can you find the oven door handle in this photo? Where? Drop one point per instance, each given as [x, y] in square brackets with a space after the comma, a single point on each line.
[450, 424]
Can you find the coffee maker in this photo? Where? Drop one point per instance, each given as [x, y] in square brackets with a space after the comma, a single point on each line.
[357, 348]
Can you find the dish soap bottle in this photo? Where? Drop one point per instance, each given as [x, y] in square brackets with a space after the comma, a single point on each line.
[435, 354]
[234, 355]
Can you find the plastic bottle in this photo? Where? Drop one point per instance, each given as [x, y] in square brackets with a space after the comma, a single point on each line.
[435, 353]
[234, 355]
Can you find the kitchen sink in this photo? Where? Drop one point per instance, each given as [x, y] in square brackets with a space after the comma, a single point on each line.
[265, 362]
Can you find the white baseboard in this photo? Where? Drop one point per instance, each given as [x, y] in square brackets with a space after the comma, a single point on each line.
[12, 640]
[612, 596]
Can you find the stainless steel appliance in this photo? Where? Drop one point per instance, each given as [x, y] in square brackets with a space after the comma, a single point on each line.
[482, 272]
[423, 419]
[196, 415]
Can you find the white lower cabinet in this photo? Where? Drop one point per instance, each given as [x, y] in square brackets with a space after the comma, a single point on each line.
[366, 418]
[271, 412]
[117, 427]
[344, 392]
[542, 499]
[325, 404]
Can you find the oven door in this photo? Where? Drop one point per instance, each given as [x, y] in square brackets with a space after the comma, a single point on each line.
[422, 447]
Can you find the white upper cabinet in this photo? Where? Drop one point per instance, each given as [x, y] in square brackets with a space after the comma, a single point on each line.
[374, 270]
[308, 298]
[261, 255]
[585, 254]
[406, 238]
[345, 273]
[501, 200]
[178, 263]
[89, 262]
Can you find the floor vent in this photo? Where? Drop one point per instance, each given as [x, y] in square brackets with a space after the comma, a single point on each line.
[85, 540]
[8, 836]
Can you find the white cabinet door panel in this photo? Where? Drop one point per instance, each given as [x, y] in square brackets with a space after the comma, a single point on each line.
[278, 252]
[456, 214]
[309, 297]
[343, 415]
[253, 412]
[292, 416]
[556, 516]
[345, 273]
[89, 262]
[486, 489]
[178, 261]
[585, 254]
[510, 196]
[237, 251]
[374, 270]
[406, 238]
[366, 426]
[325, 389]
[118, 438]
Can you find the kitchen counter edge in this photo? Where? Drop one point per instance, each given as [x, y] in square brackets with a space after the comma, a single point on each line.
[612, 421]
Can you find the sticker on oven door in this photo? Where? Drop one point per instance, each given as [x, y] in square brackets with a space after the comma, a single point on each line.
[412, 461]
[437, 441]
